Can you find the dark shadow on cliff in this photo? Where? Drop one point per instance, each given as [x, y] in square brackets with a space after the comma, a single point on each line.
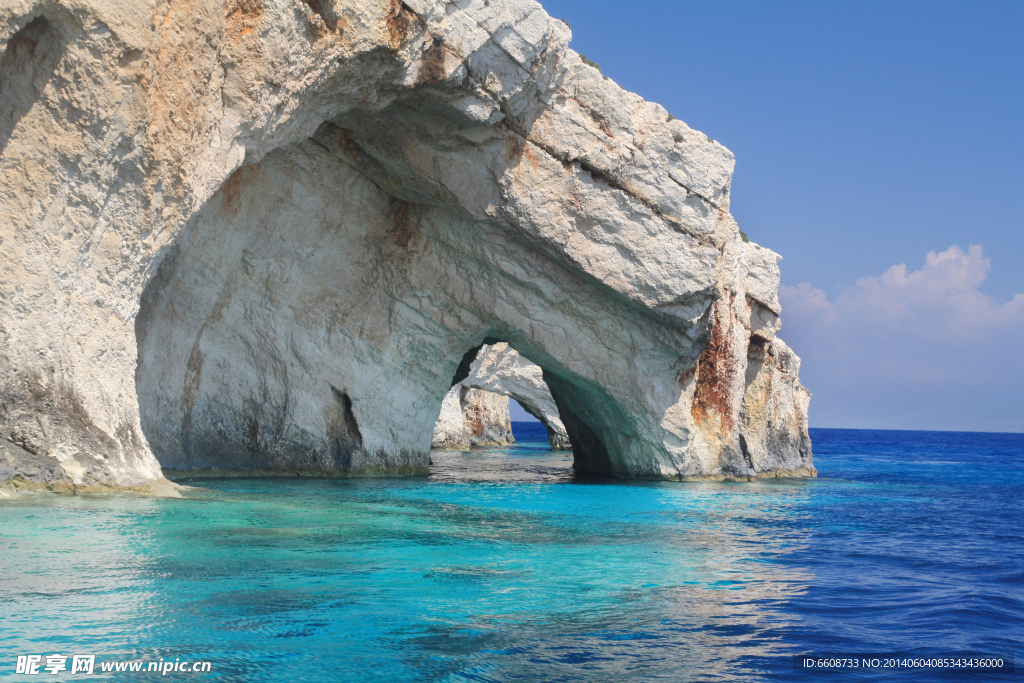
[26, 67]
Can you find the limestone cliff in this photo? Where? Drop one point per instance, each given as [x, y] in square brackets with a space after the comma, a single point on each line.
[472, 417]
[487, 418]
[264, 235]
[450, 429]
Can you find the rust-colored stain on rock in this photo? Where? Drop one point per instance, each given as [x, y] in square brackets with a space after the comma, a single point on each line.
[433, 69]
[404, 233]
[714, 378]
[243, 16]
[232, 189]
[399, 21]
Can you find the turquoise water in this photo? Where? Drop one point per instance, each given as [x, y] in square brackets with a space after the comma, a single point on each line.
[501, 567]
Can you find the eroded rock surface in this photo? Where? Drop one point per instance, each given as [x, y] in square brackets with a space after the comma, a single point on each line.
[262, 235]
[472, 417]
[487, 418]
[450, 429]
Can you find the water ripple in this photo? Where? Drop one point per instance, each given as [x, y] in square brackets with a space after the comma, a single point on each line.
[503, 566]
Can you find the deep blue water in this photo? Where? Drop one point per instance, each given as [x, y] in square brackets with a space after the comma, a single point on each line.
[501, 567]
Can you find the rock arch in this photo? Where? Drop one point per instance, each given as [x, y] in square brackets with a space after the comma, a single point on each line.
[502, 370]
[498, 372]
[302, 279]
[325, 209]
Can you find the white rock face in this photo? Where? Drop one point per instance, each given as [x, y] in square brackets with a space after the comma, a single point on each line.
[472, 417]
[450, 428]
[486, 417]
[773, 417]
[262, 236]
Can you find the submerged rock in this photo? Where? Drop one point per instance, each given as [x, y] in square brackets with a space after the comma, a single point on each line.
[263, 237]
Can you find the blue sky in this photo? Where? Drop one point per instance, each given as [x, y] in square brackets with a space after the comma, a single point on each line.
[867, 135]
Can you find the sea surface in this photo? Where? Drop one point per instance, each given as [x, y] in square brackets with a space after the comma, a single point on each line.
[501, 566]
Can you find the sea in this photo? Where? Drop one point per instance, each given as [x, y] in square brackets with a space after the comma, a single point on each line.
[905, 556]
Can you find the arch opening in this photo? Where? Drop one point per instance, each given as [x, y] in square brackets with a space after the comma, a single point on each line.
[496, 370]
[571, 419]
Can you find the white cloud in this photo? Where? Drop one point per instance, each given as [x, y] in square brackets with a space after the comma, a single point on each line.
[943, 298]
[905, 339]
